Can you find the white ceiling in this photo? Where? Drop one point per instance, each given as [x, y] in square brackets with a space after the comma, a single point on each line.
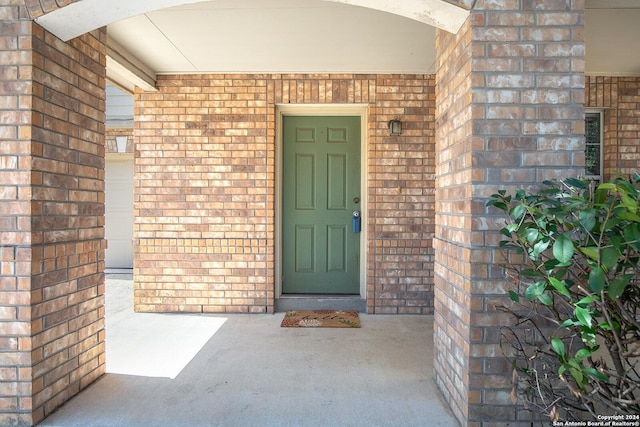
[276, 36]
[611, 39]
[315, 36]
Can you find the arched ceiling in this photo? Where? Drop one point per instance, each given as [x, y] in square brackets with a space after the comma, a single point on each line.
[150, 37]
[87, 15]
[147, 37]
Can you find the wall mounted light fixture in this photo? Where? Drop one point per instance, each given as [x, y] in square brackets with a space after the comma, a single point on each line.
[395, 127]
[121, 144]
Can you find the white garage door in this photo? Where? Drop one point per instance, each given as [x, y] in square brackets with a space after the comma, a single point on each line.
[119, 211]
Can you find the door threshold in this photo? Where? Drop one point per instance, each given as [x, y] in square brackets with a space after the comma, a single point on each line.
[320, 302]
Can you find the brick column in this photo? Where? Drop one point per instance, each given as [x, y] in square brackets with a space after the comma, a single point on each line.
[52, 98]
[509, 115]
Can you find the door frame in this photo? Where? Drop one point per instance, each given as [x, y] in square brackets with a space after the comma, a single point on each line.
[359, 110]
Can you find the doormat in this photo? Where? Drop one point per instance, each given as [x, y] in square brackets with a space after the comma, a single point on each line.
[320, 319]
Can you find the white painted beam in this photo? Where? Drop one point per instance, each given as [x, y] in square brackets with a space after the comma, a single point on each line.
[127, 71]
[87, 15]
[436, 13]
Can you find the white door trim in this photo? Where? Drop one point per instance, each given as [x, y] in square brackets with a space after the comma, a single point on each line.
[361, 110]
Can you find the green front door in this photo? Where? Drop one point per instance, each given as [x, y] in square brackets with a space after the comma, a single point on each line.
[320, 191]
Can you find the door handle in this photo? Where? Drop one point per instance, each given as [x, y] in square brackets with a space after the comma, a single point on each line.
[355, 221]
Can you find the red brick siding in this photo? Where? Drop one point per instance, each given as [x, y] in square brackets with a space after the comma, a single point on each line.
[453, 173]
[620, 99]
[402, 197]
[37, 8]
[510, 114]
[15, 221]
[205, 189]
[51, 202]
[67, 172]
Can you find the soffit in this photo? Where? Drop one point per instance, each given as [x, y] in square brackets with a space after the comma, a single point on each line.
[611, 32]
[278, 36]
[315, 36]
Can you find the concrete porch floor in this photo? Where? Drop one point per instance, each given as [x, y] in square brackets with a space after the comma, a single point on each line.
[245, 370]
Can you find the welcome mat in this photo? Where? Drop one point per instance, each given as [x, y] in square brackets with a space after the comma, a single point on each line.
[320, 319]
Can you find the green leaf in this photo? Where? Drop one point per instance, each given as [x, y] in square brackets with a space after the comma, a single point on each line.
[629, 216]
[559, 286]
[588, 300]
[583, 315]
[591, 252]
[530, 273]
[606, 186]
[605, 326]
[576, 183]
[550, 264]
[629, 203]
[535, 290]
[538, 248]
[588, 336]
[558, 347]
[632, 235]
[518, 211]
[583, 353]
[576, 373]
[530, 234]
[500, 205]
[597, 279]
[609, 258]
[562, 369]
[514, 296]
[594, 373]
[545, 299]
[588, 219]
[563, 248]
[618, 285]
[569, 322]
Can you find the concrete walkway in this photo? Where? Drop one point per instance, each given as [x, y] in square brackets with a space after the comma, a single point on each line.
[245, 370]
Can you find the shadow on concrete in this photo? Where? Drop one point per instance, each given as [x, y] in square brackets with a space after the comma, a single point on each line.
[245, 370]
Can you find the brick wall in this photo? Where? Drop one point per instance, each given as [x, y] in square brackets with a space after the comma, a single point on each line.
[402, 197]
[510, 114]
[619, 97]
[205, 189]
[454, 176]
[51, 207]
[37, 8]
[15, 223]
[67, 285]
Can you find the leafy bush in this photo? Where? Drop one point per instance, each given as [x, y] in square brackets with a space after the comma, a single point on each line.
[575, 297]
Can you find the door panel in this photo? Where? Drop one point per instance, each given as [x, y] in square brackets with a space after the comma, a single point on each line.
[337, 182]
[305, 182]
[337, 248]
[305, 249]
[119, 212]
[321, 180]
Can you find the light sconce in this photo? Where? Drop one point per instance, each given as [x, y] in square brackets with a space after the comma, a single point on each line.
[395, 127]
[121, 144]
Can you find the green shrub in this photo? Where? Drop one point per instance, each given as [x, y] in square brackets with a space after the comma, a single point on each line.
[575, 297]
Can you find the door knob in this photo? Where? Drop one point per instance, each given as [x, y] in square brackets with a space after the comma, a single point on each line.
[355, 221]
